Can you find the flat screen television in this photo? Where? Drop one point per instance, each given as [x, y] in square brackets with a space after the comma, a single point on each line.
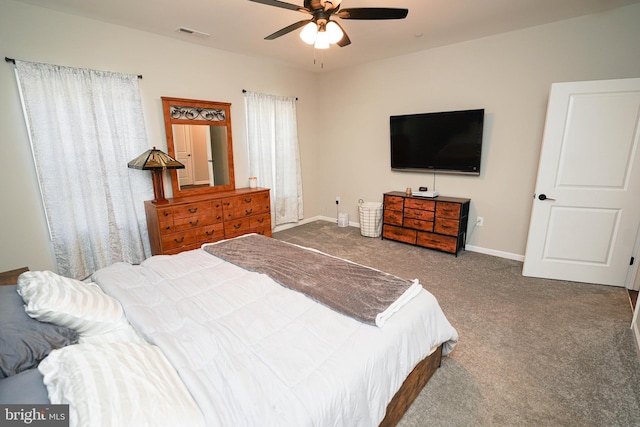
[445, 142]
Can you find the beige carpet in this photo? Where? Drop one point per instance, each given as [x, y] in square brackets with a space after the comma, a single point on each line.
[532, 352]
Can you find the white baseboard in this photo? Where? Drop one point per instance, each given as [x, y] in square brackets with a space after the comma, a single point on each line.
[636, 333]
[500, 254]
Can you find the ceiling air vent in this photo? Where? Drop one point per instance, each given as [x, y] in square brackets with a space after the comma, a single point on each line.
[191, 32]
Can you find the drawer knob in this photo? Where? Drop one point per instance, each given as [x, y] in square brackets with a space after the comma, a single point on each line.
[248, 211]
[210, 233]
[236, 226]
[194, 223]
[165, 213]
[168, 227]
[260, 221]
[179, 241]
[248, 200]
[192, 210]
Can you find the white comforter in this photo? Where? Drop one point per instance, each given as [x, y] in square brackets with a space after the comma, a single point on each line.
[253, 353]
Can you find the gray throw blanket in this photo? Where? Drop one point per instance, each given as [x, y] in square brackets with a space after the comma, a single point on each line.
[351, 289]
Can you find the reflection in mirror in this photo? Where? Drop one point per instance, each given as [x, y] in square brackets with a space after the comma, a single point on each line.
[203, 151]
[199, 136]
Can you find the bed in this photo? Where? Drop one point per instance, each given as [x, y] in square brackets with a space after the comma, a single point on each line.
[238, 347]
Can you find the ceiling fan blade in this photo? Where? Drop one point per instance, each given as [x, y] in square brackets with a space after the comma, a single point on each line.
[288, 29]
[344, 41]
[282, 5]
[373, 13]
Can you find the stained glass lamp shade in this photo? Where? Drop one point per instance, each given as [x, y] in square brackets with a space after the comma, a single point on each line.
[156, 161]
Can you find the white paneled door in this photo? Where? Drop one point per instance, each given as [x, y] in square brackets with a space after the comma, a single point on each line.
[182, 144]
[586, 210]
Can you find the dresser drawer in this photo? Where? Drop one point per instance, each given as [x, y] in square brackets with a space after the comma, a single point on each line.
[177, 240]
[418, 214]
[165, 220]
[207, 218]
[263, 231]
[244, 201]
[392, 217]
[427, 205]
[260, 221]
[399, 233]
[437, 241]
[448, 210]
[449, 227]
[242, 206]
[237, 227]
[199, 235]
[201, 208]
[211, 232]
[418, 224]
[394, 203]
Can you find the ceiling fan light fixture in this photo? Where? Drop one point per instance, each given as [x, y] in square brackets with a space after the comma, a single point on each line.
[334, 32]
[309, 32]
[322, 40]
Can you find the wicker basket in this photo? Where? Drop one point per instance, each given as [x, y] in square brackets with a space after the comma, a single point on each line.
[370, 218]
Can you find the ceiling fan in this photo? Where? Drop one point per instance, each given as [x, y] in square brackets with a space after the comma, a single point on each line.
[320, 30]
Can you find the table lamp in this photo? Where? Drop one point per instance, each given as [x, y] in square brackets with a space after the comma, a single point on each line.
[156, 161]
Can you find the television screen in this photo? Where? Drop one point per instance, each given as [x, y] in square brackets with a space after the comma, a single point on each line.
[448, 142]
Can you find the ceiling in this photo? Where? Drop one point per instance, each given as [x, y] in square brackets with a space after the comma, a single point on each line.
[241, 25]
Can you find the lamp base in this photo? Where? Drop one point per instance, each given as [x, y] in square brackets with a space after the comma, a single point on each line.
[158, 186]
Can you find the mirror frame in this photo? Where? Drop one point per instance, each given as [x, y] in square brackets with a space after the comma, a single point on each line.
[169, 121]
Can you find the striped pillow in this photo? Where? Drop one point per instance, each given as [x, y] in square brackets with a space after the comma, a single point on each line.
[74, 304]
[122, 384]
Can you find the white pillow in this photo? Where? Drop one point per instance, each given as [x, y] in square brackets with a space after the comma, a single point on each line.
[122, 384]
[62, 301]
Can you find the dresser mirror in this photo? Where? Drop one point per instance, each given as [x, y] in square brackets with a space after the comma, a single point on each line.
[199, 137]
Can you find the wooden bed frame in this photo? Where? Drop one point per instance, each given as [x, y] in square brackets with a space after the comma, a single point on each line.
[401, 401]
[11, 277]
[411, 388]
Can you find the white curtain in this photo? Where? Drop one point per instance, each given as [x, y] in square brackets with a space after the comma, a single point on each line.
[85, 126]
[272, 135]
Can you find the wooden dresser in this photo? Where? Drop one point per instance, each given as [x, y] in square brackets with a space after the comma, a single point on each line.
[186, 223]
[436, 223]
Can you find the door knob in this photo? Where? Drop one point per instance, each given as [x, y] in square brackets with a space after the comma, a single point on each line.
[544, 197]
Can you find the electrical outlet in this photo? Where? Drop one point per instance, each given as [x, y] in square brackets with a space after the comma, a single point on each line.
[337, 200]
[479, 221]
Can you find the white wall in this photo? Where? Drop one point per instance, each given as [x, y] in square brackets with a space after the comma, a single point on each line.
[509, 75]
[169, 68]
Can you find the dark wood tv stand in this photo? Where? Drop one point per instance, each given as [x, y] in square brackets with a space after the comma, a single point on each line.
[438, 223]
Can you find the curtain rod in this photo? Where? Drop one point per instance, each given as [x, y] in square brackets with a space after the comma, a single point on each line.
[13, 61]
[245, 91]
